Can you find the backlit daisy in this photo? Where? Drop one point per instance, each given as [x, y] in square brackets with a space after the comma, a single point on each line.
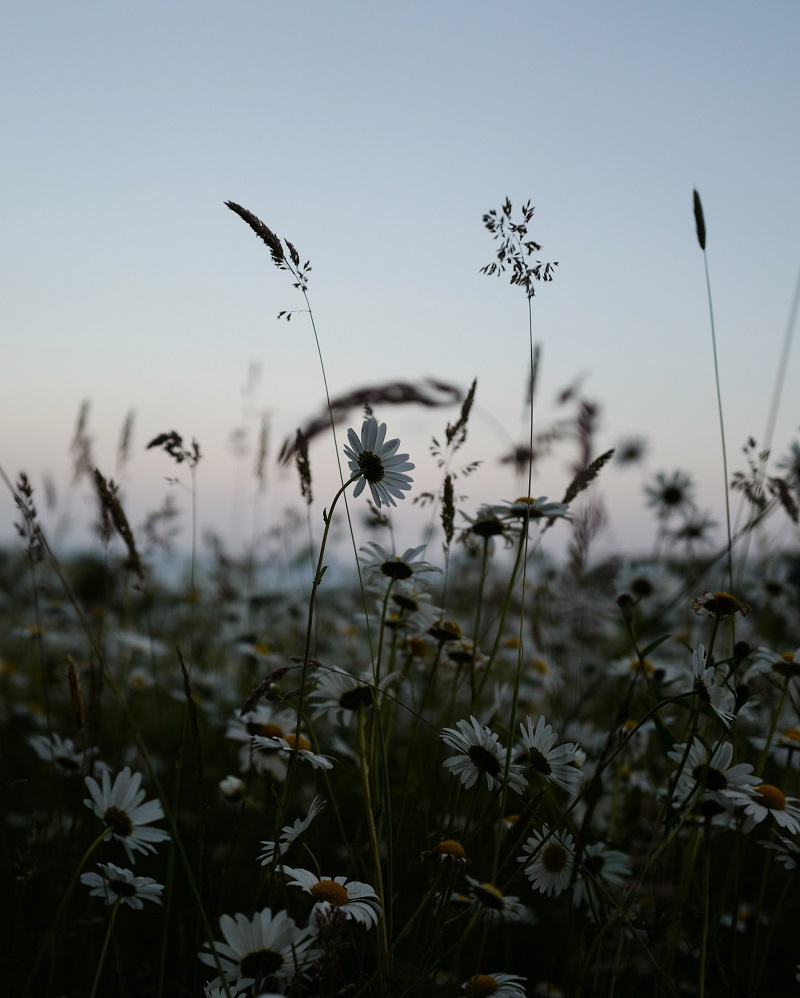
[353, 899]
[549, 858]
[259, 948]
[378, 561]
[553, 763]
[493, 906]
[479, 754]
[710, 687]
[671, 494]
[376, 461]
[286, 744]
[499, 985]
[719, 605]
[770, 801]
[704, 778]
[115, 884]
[290, 833]
[120, 806]
[533, 509]
[340, 696]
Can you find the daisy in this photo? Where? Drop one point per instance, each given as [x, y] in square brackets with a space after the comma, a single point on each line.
[785, 664]
[553, 764]
[378, 561]
[499, 985]
[604, 868]
[115, 884]
[120, 807]
[788, 852]
[446, 853]
[233, 789]
[770, 800]
[493, 906]
[287, 743]
[549, 859]
[290, 833]
[256, 948]
[341, 696]
[62, 754]
[265, 722]
[533, 509]
[670, 494]
[710, 687]
[376, 462]
[480, 754]
[354, 900]
[714, 777]
[719, 605]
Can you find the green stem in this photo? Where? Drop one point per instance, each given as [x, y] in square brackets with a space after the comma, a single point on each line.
[106, 941]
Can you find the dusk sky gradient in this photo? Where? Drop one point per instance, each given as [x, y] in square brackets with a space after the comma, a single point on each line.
[375, 136]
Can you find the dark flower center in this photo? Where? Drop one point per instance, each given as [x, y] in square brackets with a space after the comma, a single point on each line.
[554, 857]
[489, 896]
[490, 527]
[397, 569]
[118, 821]
[371, 466]
[642, 587]
[672, 496]
[405, 602]
[261, 963]
[483, 760]
[122, 888]
[538, 762]
[64, 762]
[593, 865]
[709, 777]
[353, 699]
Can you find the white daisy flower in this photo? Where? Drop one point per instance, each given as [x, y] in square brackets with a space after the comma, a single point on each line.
[549, 858]
[115, 884]
[286, 744]
[120, 807]
[711, 689]
[353, 899]
[784, 664]
[377, 561]
[479, 754]
[554, 764]
[604, 868]
[258, 948]
[788, 852]
[499, 985]
[492, 905]
[378, 464]
[770, 801]
[340, 696]
[534, 509]
[266, 722]
[61, 752]
[290, 833]
[671, 494]
[713, 778]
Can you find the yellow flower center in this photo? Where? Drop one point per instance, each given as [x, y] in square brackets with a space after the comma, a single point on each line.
[480, 985]
[541, 666]
[264, 729]
[771, 797]
[642, 666]
[330, 891]
[791, 735]
[451, 848]
[302, 743]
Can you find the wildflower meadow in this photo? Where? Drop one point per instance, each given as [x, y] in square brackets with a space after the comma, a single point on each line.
[469, 767]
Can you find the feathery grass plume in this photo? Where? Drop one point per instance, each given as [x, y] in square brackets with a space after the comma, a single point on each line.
[260, 469]
[75, 694]
[430, 394]
[699, 220]
[81, 446]
[448, 510]
[125, 439]
[456, 433]
[276, 248]
[28, 527]
[111, 508]
[303, 466]
[583, 478]
[172, 443]
[515, 249]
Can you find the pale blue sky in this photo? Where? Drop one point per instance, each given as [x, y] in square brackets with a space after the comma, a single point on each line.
[375, 136]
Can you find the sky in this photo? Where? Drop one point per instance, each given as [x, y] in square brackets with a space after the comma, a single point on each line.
[375, 137]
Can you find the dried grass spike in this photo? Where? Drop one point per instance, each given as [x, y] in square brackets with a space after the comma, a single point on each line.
[699, 221]
[263, 232]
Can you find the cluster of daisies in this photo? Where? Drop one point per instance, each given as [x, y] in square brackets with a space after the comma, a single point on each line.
[397, 807]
